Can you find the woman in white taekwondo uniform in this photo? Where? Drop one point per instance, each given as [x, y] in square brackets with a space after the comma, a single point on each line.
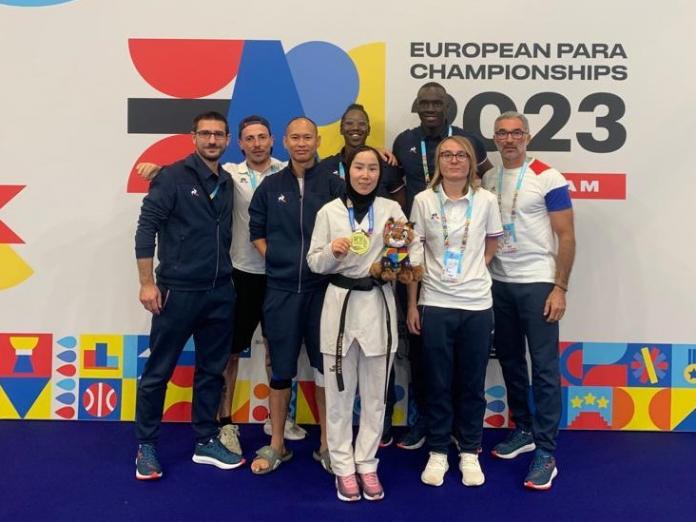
[458, 225]
[358, 323]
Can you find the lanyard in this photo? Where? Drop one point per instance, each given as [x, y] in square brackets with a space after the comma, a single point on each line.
[253, 180]
[341, 170]
[424, 156]
[518, 186]
[351, 217]
[443, 221]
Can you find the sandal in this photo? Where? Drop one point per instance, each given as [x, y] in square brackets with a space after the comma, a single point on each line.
[273, 458]
[323, 458]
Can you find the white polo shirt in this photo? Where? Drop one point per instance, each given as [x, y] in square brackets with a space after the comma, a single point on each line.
[533, 259]
[245, 257]
[471, 290]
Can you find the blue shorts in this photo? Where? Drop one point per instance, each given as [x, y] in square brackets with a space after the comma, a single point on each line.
[289, 319]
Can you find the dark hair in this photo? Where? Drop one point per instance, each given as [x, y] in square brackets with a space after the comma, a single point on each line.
[253, 120]
[355, 107]
[432, 85]
[212, 115]
[358, 150]
[310, 120]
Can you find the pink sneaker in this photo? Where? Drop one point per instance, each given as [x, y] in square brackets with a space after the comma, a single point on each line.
[347, 488]
[371, 486]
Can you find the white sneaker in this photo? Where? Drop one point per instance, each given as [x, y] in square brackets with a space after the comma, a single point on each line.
[292, 430]
[435, 469]
[471, 469]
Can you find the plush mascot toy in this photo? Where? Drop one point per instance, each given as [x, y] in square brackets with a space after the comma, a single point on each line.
[395, 261]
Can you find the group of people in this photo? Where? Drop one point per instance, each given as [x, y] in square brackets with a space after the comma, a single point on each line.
[496, 246]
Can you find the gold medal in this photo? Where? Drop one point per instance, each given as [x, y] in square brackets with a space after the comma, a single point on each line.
[359, 242]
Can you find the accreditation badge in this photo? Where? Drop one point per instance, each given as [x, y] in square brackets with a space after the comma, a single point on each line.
[452, 266]
[359, 242]
[508, 244]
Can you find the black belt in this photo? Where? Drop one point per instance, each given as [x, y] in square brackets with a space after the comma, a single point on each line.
[363, 284]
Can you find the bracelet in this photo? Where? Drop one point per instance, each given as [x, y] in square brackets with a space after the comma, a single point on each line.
[564, 288]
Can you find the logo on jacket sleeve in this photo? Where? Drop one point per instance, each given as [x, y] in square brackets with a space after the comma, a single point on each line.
[194, 192]
[282, 199]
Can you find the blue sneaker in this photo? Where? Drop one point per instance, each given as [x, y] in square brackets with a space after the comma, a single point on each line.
[215, 454]
[516, 443]
[542, 471]
[147, 467]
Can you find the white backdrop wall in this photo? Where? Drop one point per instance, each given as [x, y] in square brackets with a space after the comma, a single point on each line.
[68, 75]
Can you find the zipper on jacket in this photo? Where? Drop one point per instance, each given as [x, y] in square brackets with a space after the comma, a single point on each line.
[299, 275]
[217, 251]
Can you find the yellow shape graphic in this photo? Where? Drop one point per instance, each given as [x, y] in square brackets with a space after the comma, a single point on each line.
[7, 409]
[650, 368]
[13, 269]
[602, 402]
[589, 398]
[177, 394]
[242, 398]
[303, 412]
[641, 402]
[41, 409]
[114, 348]
[128, 394]
[576, 402]
[399, 417]
[690, 374]
[22, 343]
[370, 63]
[683, 404]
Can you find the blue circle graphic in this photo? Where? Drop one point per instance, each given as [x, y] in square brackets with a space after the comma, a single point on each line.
[326, 80]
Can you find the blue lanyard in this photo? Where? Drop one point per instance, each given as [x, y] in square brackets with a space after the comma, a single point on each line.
[443, 220]
[341, 170]
[214, 192]
[351, 217]
[252, 178]
[424, 156]
[518, 186]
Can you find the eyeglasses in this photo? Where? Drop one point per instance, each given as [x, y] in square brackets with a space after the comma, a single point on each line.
[449, 156]
[206, 134]
[502, 134]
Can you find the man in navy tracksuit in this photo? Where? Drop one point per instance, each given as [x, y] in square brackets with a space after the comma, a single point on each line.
[189, 210]
[282, 214]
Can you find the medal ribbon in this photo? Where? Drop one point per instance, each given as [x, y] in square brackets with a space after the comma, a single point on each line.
[351, 217]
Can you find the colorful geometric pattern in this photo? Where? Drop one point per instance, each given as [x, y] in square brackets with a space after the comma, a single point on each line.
[14, 269]
[314, 79]
[605, 386]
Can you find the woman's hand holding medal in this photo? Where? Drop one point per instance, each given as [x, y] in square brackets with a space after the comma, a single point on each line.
[340, 247]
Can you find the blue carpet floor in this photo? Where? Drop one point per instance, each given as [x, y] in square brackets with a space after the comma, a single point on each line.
[82, 471]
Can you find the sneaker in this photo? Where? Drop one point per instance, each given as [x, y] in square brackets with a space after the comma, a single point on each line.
[292, 430]
[413, 440]
[229, 436]
[471, 469]
[347, 488]
[215, 454]
[147, 467]
[516, 443]
[371, 486]
[435, 469]
[542, 471]
[386, 440]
